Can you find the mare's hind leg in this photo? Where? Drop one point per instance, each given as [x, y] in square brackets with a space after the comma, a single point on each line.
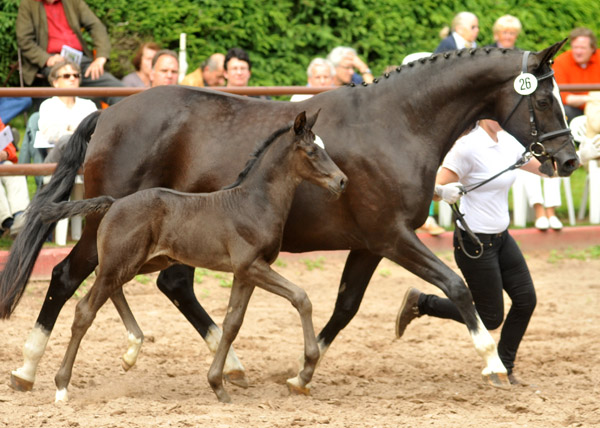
[177, 283]
[358, 271]
[418, 259]
[85, 313]
[135, 336]
[238, 303]
[66, 277]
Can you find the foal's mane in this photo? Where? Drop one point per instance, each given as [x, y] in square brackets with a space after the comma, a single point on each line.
[256, 154]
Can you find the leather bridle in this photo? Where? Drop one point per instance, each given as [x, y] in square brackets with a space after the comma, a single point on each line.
[536, 148]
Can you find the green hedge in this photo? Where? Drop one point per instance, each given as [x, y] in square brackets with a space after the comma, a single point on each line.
[282, 36]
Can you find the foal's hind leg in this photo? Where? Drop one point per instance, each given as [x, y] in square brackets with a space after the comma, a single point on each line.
[135, 336]
[66, 277]
[85, 313]
[238, 303]
[177, 283]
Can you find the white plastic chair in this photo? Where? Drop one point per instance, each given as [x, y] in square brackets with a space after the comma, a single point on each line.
[591, 187]
[522, 212]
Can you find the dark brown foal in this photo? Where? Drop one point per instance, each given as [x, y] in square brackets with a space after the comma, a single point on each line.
[238, 229]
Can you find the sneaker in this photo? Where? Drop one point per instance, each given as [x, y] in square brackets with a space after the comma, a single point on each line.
[18, 224]
[555, 223]
[542, 223]
[409, 310]
[431, 227]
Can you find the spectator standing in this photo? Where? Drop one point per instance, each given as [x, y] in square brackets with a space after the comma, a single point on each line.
[44, 26]
[210, 72]
[346, 61]
[465, 28]
[165, 68]
[142, 61]
[320, 73]
[580, 64]
[14, 195]
[501, 267]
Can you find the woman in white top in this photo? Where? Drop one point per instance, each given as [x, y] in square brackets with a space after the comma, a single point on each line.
[475, 157]
[60, 115]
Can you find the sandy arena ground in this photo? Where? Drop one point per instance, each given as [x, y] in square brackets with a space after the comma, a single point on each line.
[429, 378]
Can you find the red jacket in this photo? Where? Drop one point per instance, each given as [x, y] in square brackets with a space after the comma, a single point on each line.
[10, 149]
[566, 70]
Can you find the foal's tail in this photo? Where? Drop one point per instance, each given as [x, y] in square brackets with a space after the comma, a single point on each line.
[27, 245]
[54, 211]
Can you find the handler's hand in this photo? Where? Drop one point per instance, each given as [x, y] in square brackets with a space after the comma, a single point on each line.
[96, 68]
[450, 192]
[589, 149]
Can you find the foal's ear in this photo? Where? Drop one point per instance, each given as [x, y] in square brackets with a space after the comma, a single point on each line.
[311, 120]
[546, 55]
[300, 123]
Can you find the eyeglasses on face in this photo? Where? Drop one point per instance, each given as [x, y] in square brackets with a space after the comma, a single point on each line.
[69, 75]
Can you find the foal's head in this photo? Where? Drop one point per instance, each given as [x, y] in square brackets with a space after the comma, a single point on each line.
[311, 160]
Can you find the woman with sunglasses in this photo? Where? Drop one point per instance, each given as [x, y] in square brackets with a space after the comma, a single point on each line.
[59, 117]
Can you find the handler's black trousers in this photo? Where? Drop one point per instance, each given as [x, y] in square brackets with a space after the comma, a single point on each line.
[501, 267]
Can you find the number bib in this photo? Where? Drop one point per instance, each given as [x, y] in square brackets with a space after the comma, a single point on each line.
[525, 84]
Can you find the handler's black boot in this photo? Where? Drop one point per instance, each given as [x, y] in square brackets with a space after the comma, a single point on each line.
[408, 311]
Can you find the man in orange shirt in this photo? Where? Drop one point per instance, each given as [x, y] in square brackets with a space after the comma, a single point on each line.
[581, 64]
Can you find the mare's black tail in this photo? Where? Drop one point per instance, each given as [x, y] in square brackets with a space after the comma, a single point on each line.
[28, 244]
[54, 211]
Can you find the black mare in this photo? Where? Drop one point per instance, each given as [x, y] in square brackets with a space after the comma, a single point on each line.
[388, 137]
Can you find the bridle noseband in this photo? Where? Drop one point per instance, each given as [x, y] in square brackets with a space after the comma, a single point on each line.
[536, 148]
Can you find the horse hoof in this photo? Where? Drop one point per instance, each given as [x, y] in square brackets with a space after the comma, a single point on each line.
[497, 380]
[126, 366]
[19, 384]
[294, 387]
[237, 378]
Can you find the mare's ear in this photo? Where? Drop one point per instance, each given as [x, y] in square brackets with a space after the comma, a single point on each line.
[546, 55]
[300, 123]
[311, 120]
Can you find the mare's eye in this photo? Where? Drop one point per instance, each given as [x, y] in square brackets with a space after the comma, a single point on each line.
[542, 104]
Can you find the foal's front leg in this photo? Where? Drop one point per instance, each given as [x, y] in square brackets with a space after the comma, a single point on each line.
[267, 279]
[238, 303]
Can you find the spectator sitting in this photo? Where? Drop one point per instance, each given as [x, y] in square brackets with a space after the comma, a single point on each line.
[165, 68]
[142, 61]
[210, 72]
[544, 203]
[506, 29]
[320, 74]
[238, 69]
[44, 27]
[589, 148]
[580, 64]
[465, 28]
[14, 195]
[345, 60]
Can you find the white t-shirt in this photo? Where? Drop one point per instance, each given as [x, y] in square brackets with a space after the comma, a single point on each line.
[475, 158]
[56, 119]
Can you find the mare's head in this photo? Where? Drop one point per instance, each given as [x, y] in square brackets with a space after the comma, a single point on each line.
[530, 108]
[311, 161]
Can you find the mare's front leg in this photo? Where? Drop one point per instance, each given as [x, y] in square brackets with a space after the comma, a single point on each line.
[412, 254]
[135, 336]
[66, 278]
[358, 271]
[261, 274]
[238, 303]
[177, 283]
